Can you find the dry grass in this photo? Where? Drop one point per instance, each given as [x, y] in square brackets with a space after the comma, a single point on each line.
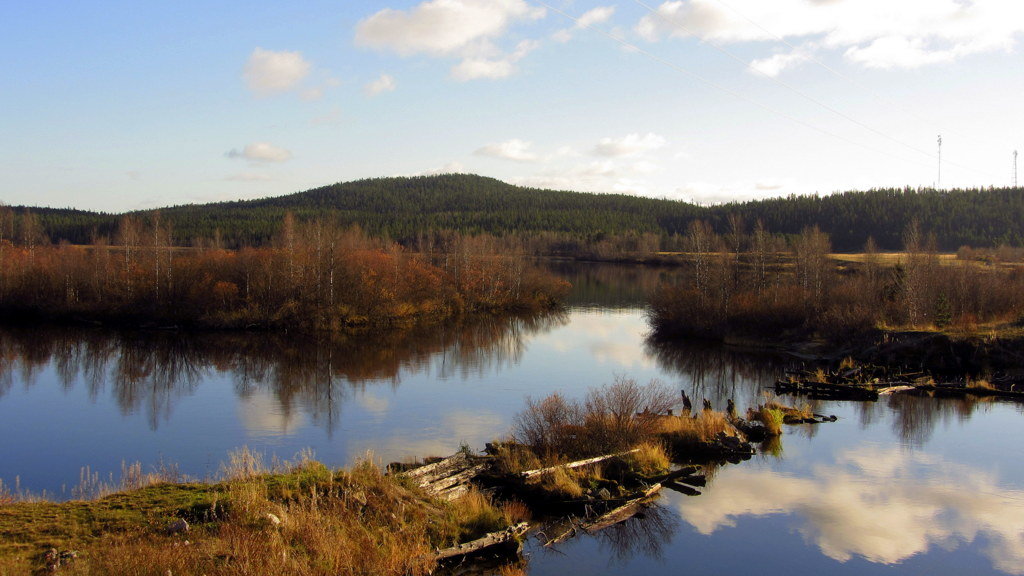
[511, 570]
[303, 519]
[649, 459]
[704, 427]
[512, 458]
[772, 418]
[562, 482]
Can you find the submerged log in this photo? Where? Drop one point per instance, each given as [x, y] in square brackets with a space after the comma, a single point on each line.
[492, 539]
[682, 488]
[576, 464]
[622, 513]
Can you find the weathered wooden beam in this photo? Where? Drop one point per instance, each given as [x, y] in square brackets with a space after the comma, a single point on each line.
[460, 477]
[440, 468]
[576, 464]
[622, 513]
[491, 539]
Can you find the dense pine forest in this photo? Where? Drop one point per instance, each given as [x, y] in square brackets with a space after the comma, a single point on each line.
[407, 210]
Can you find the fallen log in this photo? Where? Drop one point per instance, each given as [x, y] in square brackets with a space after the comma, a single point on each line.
[895, 390]
[622, 513]
[682, 489]
[576, 464]
[492, 539]
[448, 478]
[684, 471]
[564, 534]
[441, 468]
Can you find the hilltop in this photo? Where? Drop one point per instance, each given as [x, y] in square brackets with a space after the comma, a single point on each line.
[404, 208]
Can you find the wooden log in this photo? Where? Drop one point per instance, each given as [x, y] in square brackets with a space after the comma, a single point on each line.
[459, 477]
[682, 488]
[576, 464]
[684, 471]
[890, 390]
[694, 480]
[622, 513]
[564, 534]
[491, 539]
[444, 467]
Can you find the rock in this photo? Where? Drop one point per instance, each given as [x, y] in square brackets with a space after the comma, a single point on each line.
[604, 494]
[273, 519]
[179, 526]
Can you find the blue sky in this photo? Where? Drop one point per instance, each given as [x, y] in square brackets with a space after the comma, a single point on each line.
[124, 105]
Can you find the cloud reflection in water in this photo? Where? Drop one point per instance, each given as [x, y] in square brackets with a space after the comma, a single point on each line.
[883, 505]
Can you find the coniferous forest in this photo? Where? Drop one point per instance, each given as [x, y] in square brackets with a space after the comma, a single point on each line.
[407, 210]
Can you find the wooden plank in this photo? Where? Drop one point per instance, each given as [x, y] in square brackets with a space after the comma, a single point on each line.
[576, 464]
[452, 462]
[492, 539]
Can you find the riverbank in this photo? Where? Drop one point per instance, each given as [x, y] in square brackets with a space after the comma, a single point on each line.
[305, 518]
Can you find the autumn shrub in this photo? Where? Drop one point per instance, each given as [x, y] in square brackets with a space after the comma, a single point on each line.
[611, 418]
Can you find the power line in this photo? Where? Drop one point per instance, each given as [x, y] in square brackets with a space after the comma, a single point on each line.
[675, 23]
[633, 47]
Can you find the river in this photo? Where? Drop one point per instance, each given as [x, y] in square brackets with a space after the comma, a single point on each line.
[899, 486]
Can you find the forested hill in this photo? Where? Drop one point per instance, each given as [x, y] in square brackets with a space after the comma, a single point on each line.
[403, 208]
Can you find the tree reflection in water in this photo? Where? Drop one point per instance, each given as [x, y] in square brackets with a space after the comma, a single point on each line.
[150, 371]
[717, 372]
[646, 534]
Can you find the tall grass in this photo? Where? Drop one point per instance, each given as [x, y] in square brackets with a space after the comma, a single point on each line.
[703, 427]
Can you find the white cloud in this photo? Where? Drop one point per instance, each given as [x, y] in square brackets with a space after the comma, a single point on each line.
[562, 36]
[515, 150]
[597, 176]
[262, 152]
[777, 63]
[441, 27]
[629, 145]
[466, 29]
[383, 83]
[269, 72]
[598, 15]
[873, 33]
[453, 167]
[592, 17]
[502, 66]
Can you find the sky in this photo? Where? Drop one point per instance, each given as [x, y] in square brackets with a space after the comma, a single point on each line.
[119, 106]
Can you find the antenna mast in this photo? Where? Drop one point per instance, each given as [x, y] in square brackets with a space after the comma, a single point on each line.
[938, 181]
[1015, 169]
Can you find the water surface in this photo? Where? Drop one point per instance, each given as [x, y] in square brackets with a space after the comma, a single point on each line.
[904, 485]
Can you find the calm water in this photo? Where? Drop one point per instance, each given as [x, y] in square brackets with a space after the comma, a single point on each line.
[907, 486]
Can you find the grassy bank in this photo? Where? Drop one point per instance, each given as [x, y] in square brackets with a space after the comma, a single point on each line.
[302, 518]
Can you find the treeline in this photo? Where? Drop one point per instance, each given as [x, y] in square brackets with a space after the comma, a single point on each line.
[313, 275]
[571, 223]
[762, 284]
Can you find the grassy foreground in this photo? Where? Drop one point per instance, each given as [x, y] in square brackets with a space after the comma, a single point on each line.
[305, 519]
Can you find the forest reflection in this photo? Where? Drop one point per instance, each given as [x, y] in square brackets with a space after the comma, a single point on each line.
[150, 371]
[719, 373]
